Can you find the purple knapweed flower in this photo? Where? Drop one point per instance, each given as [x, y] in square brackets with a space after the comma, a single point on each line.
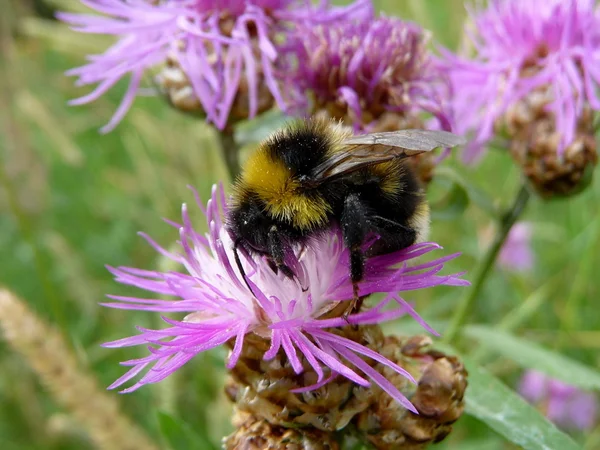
[364, 71]
[565, 405]
[548, 49]
[218, 45]
[221, 307]
[516, 253]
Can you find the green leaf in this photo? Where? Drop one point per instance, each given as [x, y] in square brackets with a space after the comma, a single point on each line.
[492, 442]
[453, 204]
[503, 410]
[533, 356]
[179, 435]
[474, 193]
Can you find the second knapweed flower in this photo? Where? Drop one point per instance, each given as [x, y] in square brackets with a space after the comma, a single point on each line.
[534, 79]
[273, 316]
[373, 74]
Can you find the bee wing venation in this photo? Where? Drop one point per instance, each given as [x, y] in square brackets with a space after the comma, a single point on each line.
[355, 157]
[418, 140]
[368, 149]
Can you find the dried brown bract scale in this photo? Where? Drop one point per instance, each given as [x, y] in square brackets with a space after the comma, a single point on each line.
[438, 397]
[534, 144]
[260, 391]
[174, 83]
[252, 433]
[262, 388]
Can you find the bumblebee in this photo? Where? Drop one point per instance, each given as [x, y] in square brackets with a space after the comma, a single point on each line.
[314, 175]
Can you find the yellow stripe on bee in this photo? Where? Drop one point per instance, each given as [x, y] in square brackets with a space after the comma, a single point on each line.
[272, 181]
[390, 174]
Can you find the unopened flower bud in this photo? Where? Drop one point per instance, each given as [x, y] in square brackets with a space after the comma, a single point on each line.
[438, 397]
[534, 144]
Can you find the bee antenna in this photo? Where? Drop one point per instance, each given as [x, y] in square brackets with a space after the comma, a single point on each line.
[238, 262]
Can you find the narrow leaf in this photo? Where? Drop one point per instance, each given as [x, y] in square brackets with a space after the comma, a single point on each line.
[532, 356]
[503, 410]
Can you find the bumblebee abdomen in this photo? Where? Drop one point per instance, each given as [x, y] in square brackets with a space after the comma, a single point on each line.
[391, 192]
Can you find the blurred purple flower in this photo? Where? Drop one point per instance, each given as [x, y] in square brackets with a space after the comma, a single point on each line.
[365, 68]
[565, 405]
[222, 308]
[523, 46]
[516, 254]
[217, 44]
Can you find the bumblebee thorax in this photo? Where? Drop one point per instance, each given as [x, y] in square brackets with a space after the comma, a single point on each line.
[282, 193]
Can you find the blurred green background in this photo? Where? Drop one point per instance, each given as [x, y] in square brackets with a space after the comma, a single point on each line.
[72, 201]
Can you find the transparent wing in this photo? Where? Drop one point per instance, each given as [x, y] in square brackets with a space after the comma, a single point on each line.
[369, 149]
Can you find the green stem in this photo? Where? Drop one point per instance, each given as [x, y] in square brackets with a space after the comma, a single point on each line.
[465, 306]
[231, 152]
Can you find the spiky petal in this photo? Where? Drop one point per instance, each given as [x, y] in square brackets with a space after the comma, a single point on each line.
[288, 314]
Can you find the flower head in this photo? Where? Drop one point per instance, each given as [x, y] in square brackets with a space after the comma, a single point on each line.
[221, 308]
[516, 254]
[563, 404]
[375, 74]
[215, 51]
[532, 58]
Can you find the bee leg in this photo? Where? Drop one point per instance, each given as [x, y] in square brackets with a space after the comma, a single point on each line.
[357, 263]
[277, 251]
[240, 267]
[272, 264]
[354, 222]
[393, 236]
